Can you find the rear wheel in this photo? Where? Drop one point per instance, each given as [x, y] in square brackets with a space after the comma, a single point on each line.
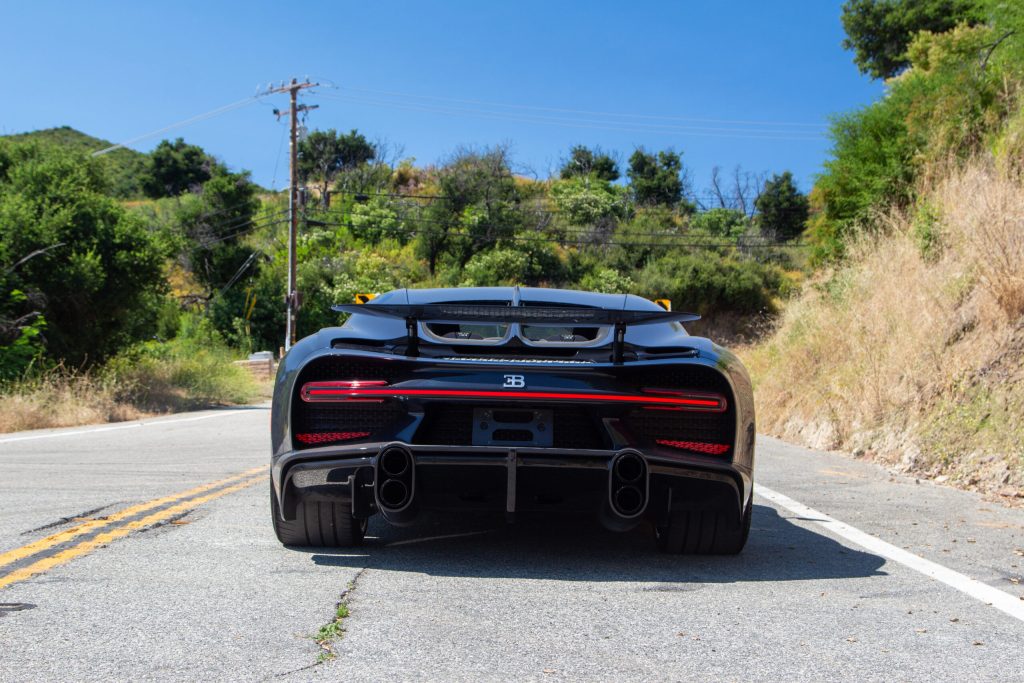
[704, 532]
[318, 524]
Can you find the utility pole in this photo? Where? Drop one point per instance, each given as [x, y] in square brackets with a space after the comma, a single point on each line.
[292, 301]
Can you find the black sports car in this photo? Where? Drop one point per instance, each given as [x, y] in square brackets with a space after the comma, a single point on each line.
[515, 400]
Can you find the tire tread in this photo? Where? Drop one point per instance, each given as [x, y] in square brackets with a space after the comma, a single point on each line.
[318, 524]
[704, 532]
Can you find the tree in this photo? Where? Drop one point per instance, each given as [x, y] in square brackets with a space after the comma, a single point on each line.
[177, 167]
[782, 209]
[656, 179]
[21, 323]
[479, 204]
[720, 223]
[583, 202]
[375, 219]
[872, 165]
[211, 222]
[710, 283]
[97, 273]
[324, 154]
[586, 162]
[737, 192]
[879, 31]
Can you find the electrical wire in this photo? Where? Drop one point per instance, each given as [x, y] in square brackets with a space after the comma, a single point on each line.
[245, 228]
[640, 126]
[388, 93]
[193, 119]
[588, 124]
[671, 241]
[240, 271]
[277, 161]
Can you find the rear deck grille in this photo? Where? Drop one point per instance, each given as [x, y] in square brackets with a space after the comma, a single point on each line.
[348, 368]
[690, 377]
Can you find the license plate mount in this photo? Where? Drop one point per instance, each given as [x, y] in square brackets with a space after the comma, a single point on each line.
[513, 427]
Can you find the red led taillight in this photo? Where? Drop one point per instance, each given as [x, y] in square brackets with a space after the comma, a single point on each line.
[696, 446]
[329, 437]
[694, 401]
[377, 390]
[330, 391]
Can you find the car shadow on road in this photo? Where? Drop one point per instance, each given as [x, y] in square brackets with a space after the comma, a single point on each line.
[580, 550]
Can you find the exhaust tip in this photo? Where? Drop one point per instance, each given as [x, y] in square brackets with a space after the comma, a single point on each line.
[394, 494]
[394, 462]
[627, 485]
[629, 500]
[629, 468]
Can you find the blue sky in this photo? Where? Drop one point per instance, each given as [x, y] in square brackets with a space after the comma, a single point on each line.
[497, 72]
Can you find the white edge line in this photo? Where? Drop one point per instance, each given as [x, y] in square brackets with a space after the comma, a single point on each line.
[1001, 600]
[132, 425]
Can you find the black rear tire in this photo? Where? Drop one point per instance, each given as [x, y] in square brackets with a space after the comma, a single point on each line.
[318, 525]
[704, 532]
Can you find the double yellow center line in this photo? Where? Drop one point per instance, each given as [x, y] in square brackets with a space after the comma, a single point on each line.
[176, 503]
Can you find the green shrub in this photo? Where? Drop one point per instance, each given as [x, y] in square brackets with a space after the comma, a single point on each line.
[95, 270]
[872, 165]
[719, 223]
[188, 371]
[927, 231]
[496, 267]
[607, 280]
[707, 283]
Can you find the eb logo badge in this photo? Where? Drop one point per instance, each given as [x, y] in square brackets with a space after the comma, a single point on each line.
[514, 382]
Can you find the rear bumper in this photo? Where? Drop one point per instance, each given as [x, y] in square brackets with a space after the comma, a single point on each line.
[346, 474]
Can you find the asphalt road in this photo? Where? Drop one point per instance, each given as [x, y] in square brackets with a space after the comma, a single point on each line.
[144, 551]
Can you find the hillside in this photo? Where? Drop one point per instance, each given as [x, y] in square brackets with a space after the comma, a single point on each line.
[125, 167]
[914, 357]
[907, 345]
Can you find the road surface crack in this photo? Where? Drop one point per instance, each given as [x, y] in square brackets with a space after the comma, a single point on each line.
[334, 630]
[85, 515]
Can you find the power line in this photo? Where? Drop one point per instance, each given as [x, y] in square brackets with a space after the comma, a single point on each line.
[241, 269]
[671, 241]
[193, 119]
[561, 110]
[585, 124]
[248, 227]
[538, 212]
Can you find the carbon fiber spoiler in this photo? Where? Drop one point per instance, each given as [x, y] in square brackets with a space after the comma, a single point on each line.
[526, 315]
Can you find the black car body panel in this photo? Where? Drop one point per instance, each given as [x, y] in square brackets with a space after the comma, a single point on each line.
[633, 422]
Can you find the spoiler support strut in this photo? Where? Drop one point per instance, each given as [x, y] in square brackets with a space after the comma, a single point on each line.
[619, 343]
[412, 347]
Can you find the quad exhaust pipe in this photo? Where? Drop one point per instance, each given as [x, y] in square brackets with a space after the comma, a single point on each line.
[394, 484]
[627, 490]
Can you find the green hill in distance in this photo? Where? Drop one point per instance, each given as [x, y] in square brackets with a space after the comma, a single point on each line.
[125, 167]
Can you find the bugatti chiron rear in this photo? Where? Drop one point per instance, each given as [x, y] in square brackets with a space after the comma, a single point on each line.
[513, 400]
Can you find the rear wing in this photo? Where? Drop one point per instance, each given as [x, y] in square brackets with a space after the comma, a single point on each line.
[524, 315]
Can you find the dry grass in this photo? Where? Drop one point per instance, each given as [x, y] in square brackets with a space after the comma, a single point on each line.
[147, 380]
[61, 399]
[913, 352]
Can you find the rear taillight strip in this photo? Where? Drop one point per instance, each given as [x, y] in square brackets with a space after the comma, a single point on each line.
[696, 446]
[336, 392]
